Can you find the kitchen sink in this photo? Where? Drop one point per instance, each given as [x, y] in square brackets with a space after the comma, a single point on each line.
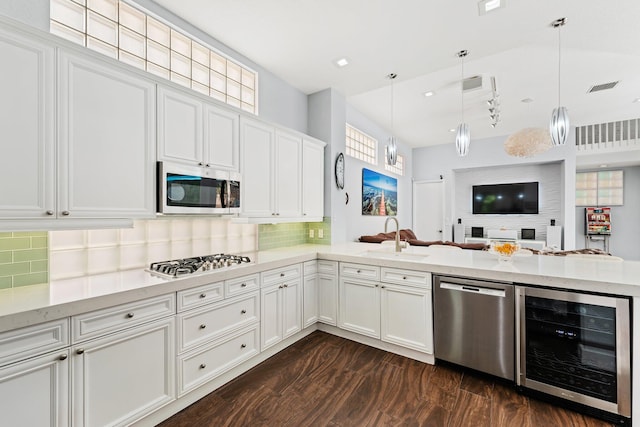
[391, 254]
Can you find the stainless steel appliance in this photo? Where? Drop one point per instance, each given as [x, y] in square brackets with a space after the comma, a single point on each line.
[186, 266]
[577, 347]
[193, 190]
[475, 324]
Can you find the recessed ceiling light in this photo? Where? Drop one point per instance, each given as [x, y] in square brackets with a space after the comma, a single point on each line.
[485, 6]
[341, 62]
[636, 100]
[452, 130]
[429, 93]
[527, 100]
[603, 166]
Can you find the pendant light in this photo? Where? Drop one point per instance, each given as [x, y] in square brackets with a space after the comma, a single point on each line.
[462, 133]
[559, 124]
[392, 147]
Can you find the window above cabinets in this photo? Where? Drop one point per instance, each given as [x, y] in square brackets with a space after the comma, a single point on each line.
[603, 188]
[361, 146]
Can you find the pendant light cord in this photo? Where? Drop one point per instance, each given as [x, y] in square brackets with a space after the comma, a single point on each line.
[462, 87]
[559, 61]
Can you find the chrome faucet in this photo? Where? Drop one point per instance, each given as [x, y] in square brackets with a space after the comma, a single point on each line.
[398, 249]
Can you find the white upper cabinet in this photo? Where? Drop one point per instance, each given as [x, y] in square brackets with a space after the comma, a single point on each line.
[196, 133]
[288, 175]
[312, 179]
[257, 148]
[27, 126]
[106, 140]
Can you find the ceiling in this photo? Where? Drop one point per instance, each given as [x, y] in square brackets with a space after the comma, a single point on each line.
[299, 40]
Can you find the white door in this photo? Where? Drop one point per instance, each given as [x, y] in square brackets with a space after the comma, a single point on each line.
[291, 308]
[406, 317]
[360, 307]
[428, 210]
[221, 138]
[310, 300]
[288, 175]
[328, 299]
[312, 179]
[257, 146]
[179, 128]
[270, 316]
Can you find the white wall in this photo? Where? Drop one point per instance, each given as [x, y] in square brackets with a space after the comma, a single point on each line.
[431, 162]
[31, 12]
[625, 220]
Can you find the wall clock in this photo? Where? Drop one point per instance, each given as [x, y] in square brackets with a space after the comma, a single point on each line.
[339, 170]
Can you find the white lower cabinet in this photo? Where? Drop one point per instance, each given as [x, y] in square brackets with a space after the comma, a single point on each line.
[328, 292]
[280, 306]
[360, 307]
[119, 378]
[406, 318]
[310, 294]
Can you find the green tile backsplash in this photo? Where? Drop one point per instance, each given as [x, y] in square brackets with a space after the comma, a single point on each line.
[272, 236]
[23, 259]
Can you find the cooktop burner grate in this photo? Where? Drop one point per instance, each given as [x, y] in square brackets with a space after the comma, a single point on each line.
[185, 266]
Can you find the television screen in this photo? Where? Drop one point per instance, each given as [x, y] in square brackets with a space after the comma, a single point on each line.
[516, 198]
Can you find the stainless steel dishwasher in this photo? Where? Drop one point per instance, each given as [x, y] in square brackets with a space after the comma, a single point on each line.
[474, 324]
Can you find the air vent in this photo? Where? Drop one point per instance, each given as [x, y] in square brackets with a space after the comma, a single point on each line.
[612, 134]
[603, 86]
[472, 83]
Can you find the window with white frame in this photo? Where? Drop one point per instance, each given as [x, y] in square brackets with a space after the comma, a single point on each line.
[604, 188]
[398, 168]
[124, 32]
[361, 146]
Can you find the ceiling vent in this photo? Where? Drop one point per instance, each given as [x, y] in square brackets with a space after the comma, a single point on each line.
[472, 83]
[603, 86]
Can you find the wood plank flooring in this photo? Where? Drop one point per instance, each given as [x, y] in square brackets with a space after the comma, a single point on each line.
[324, 380]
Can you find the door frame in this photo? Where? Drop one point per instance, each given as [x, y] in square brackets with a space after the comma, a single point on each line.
[413, 201]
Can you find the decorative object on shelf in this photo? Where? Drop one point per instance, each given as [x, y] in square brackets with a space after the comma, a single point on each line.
[528, 142]
[339, 171]
[463, 137]
[379, 194]
[392, 146]
[559, 124]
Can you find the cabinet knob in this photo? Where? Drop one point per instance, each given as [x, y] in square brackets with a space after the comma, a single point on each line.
[244, 285]
[404, 277]
[49, 212]
[203, 365]
[243, 311]
[277, 213]
[200, 164]
[358, 271]
[243, 346]
[203, 326]
[382, 287]
[130, 315]
[376, 286]
[207, 165]
[285, 285]
[80, 351]
[63, 357]
[65, 213]
[280, 287]
[281, 274]
[203, 295]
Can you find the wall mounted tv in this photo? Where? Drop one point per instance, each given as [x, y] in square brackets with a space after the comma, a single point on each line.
[516, 198]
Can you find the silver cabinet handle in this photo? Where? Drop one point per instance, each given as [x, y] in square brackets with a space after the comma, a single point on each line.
[80, 351]
[203, 365]
[203, 326]
[243, 346]
[130, 315]
[243, 312]
[203, 295]
[49, 212]
[63, 357]
[65, 213]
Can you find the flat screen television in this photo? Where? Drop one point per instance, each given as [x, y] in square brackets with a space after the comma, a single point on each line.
[515, 198]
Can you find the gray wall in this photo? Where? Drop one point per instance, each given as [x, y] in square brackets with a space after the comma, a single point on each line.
[31, 12]
[431, 162]
[547, 175]
[625, 220]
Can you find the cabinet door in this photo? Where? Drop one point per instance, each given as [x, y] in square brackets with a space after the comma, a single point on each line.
[106, 143]
[36, 392]
[312, 179]
[407, 317]
[328, 299]
[310, 300]
[221, 138]
[257, 144]
[288, 175]
[122, 377]
[360, 307]
[27, 127]
[179, 127]
[291, 308]
[270, 316]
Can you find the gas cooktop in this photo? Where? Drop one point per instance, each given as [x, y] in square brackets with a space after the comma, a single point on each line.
[186, 266]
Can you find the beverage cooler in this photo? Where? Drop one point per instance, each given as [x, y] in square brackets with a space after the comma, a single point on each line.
[597, 226]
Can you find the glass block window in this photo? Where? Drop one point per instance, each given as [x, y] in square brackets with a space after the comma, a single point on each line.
[124, 32]
[398, 168]
[361, 146]
[603, 188]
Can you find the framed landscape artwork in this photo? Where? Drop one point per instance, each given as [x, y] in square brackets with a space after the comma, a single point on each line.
[379, 194]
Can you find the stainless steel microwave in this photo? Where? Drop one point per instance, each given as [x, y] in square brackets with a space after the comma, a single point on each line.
[185, 190]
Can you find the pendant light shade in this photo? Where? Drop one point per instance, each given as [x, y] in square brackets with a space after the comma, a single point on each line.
[463, 138]
[559, 123]
[392, 146]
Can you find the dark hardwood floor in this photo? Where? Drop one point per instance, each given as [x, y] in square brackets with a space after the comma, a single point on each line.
[324, 380]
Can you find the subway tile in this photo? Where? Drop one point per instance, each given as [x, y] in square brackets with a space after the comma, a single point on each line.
[67, 239]
[6, 256]
[96, 238]
[102, 260]
[30, 255]
[39, 242]
[39, 266]
[68, 263]
[15, 268]
[5, 234]
[6, 282]
[13, 243]
[30, 279]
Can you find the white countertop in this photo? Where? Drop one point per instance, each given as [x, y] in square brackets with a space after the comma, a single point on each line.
[28, 305]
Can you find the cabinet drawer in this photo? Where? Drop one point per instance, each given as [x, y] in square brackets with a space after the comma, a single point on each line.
[360, 271]
[328, 267]
[241, 285]
[310, 267]
[281, 274]
[209, 323]
[23, 343]
[205, 363]
[196, 297]
[406, 277]
[101, 322]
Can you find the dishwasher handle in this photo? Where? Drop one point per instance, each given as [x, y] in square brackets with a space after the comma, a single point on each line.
[474, 289]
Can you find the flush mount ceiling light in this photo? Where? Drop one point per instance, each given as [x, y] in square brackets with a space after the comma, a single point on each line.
[528, 142]
[341, 62]
[429, 93]
[392, 146]
[485, 6]
[635, 101]
[463, 138]
[559, 124]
